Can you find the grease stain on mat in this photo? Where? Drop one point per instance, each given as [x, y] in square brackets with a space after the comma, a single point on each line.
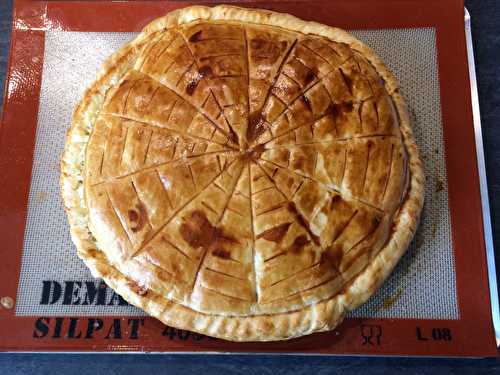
[41, 196]
[391, 300]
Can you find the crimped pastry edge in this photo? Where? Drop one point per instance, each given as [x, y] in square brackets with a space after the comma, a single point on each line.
[321, 316]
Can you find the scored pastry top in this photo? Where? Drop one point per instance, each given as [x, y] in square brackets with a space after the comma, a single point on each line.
[242, 173]
[242, 169]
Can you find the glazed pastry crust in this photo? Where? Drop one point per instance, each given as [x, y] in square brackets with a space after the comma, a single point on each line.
[124, 265]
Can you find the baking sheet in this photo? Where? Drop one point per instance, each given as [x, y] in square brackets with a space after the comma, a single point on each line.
[490, 251]
[462, 327]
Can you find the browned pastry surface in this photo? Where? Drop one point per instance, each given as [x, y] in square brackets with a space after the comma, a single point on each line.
[242, 173]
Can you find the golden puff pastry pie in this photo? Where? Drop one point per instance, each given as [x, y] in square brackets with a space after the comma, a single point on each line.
[242, 173]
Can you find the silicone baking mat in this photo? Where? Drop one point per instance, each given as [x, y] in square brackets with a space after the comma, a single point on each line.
[421, 309]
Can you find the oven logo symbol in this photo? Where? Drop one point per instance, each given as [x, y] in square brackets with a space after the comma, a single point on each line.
[371, 334]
